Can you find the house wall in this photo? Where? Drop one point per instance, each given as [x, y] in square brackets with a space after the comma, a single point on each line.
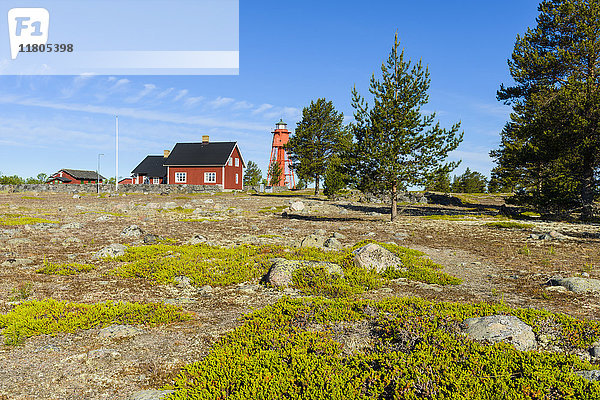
[231, 171]
[195, 175]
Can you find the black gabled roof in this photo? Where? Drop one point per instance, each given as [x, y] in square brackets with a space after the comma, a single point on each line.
[151, 166]
[209, 154]
[80, 174]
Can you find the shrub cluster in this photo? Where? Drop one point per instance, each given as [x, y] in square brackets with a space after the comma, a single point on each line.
[416, 352]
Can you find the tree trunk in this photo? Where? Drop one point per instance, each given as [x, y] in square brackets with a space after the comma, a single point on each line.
[316, 185]
[394, 202]
[587, 191]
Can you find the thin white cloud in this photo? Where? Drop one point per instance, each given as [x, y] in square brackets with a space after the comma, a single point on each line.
[148, 88]
[139, 114]
[165, 93]
[262, 108]
[221, 102]
[181, 94]
[192, 101]
[242, 105]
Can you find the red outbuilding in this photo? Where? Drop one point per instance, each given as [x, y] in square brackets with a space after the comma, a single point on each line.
[75, 176]
[205, 163]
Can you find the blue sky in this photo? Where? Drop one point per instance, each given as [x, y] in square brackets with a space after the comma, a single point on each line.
[290, 53]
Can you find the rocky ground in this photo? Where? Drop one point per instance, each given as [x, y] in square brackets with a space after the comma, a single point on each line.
[548, 265]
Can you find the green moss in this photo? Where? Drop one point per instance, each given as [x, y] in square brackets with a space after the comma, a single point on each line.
[509, 225]
[32, 198]
[416, 351]
[16, 219]
[50, 317]
[199, 220]
[64, 269]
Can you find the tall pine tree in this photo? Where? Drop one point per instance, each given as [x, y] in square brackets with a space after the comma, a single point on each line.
[397, 146]
[550, 149]
[317, 137]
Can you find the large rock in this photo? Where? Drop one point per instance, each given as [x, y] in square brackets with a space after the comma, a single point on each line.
[578, 285]
[333, 244]
[591, 375]
[501, 328]
[297, 206]
[373, 256]
[313, 241]
[132, 231]
[280, 273]
[112, 250]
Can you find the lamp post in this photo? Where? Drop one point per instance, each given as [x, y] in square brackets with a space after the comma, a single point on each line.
[98, 174]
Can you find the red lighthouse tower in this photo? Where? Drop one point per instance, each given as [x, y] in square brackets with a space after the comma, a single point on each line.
[278, 155]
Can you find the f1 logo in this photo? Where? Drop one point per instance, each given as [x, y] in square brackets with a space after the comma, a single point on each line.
[27, 26]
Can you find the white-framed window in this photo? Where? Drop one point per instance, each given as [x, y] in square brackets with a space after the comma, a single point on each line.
[237, 178]
[146, 180]
[230, 161]
[237, 162]
[156, 181]
[180, 177]
[210, 177]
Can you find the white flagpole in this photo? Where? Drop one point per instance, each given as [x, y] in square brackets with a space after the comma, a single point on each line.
[117, 158]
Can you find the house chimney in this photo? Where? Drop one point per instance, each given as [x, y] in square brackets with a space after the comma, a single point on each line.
[205, 139]
[166, 153]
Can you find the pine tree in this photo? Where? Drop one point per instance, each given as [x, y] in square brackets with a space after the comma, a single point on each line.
[335, 178]
[275, 172]
[396, 145]
[319, 135]
[550, 149]
[469, 182]
[253, 174]
[439, 182]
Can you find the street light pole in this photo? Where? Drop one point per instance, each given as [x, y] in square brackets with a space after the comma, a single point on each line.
[98, 174]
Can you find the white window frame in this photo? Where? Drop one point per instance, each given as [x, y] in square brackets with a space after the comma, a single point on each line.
[230, 162]
[237, 178]
[237, 162]
[180, 177]
[210, 177]
[155, 181]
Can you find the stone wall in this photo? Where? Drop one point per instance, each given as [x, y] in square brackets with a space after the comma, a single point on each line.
[91, 188]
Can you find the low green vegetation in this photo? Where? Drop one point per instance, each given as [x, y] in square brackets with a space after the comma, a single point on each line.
[274, 209]
[199, 220]
[509, 225]
[216, 266]
[47, 317]
[64, 269]
[21, 292]
[17, 219]
[410, 349]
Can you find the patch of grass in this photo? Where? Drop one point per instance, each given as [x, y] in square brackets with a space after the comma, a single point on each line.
[217, 266]
[21, 292]
[16, 219]
[182, 210]
[64, 269]
[525, 250]
[531, 214]
[414, 350]
[454, 217]
[48, 317]
[509, 225]
[32, 198]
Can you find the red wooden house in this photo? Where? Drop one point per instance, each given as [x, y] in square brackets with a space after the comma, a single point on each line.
[75, 176]
[218, 163]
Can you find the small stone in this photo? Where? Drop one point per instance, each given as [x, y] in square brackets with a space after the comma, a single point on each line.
[312, 241]
[112, 250]
[591, 375]
[150, 239]
[333, 243]
[578, 284]
[197, 239]
[280, 273]
[170, 205]
[132, 231]
[76, 196]
[320, 232]
[17, 262]
[338, 235]
[150, 395]
[103, 218]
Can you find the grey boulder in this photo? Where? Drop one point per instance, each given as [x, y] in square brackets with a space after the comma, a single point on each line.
[112, 250]
[372, 256]
[577, 285]
[132, 231]
[501, 328]
[150, 394]
[280, 273]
